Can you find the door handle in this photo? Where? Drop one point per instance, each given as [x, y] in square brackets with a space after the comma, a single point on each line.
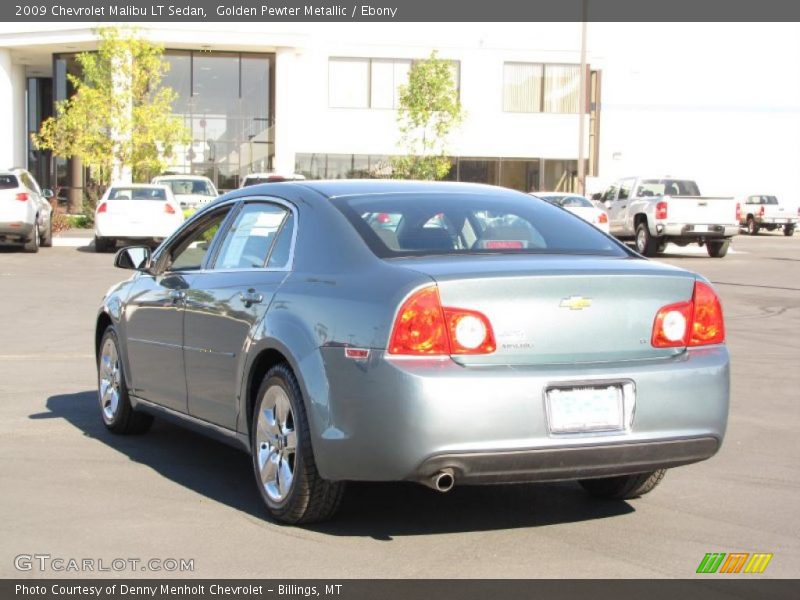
[177, 295]
[623, 206]
[251, 297]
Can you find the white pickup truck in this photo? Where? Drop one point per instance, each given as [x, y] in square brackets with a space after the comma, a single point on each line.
[765, 212]
[654, 211]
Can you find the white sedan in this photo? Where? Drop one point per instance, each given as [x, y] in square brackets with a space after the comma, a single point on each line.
[191, 191]
[577, 205]
[128, 211]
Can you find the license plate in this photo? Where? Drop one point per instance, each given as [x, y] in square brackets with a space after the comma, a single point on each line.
[584, 409]
[701, 228]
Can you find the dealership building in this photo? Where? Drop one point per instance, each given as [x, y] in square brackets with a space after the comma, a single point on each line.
[320, 99]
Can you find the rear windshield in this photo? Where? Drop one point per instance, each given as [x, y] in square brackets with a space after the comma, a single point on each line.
[763, 200]
[423, 224]
[8, 182]
[575, 202]
[143, 193]
[186, 187]
[667, 187]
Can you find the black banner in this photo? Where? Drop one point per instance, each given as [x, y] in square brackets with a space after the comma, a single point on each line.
[398, 10]
[713, 587]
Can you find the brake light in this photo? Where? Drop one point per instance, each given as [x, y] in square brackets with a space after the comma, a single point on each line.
[102, 208]
[22, 197]
[504, 244]
[738, 212]
[425, 328]
[697, 322]
[661, 210]
[383, 218]
[603, 218]
[761, 211]
[168, 209]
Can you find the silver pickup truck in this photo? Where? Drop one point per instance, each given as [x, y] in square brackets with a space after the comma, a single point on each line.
[655, 211]
[765, 212]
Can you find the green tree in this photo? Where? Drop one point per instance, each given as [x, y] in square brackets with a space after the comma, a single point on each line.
[119, 120]
[429, 109]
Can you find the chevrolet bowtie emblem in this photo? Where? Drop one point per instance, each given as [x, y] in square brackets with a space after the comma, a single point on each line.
[576, 303]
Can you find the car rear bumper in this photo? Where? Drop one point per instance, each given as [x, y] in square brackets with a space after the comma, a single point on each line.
[389, 419]
[15, 230]
[778, 221]
[692, 231]
[144, 231]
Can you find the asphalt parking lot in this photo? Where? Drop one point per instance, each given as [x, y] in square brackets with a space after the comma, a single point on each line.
[70, 489]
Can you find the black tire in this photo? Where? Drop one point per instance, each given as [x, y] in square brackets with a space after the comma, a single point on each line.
[718, 249]
[47, 236]
[32, 244]
[123, 419]
[310, 498]
[104, 244]
[752, 226]
[646, 244]
[623, 487]
[788, 231]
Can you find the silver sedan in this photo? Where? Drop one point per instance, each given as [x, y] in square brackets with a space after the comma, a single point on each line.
[447, 334]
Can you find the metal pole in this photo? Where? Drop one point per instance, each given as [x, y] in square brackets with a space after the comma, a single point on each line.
[582, 102]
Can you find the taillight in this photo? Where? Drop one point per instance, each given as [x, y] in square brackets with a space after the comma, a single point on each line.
[661, 210]
[168, 209]
[383, 218]
[697, 322]
[738, 211]
[102, 208]
[761, 211]
[603, 218]
[22, 197]
[425, 328]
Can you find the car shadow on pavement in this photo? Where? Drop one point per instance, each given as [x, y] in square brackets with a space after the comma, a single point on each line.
[381, 511]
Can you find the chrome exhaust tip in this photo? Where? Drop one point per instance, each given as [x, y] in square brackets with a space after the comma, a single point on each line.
[442, 481]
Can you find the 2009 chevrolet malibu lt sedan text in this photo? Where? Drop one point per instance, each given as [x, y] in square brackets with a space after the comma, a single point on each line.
[440, 333]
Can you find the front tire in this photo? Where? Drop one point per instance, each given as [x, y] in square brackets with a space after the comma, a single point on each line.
[116, 411]
[646, 244]
[623, 487]
[718, 249]
[283, 461]
[47, 237]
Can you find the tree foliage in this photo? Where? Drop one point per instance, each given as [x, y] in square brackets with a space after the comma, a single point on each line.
[120, 116]
[429, 109]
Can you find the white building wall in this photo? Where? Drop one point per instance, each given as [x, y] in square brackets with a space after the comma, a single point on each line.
[12, 112]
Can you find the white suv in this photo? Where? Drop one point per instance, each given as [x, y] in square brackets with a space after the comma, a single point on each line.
[25, 213]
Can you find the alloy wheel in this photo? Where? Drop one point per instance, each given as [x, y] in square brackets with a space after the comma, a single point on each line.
[276, 443]
[110, 380]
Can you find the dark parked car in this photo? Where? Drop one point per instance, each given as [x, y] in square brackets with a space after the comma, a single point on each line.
[440, 333]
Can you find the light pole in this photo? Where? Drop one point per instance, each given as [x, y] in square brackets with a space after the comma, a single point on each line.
[582, 102]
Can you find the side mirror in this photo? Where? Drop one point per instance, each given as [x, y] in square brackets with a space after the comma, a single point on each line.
[136, 258]
[47, 193]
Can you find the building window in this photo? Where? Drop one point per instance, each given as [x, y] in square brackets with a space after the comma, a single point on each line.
[371, 82]
[536, 87]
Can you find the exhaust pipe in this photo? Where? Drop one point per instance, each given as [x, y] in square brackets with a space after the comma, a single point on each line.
[443, 481]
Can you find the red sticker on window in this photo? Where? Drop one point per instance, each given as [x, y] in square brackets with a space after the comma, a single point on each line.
[504, 244]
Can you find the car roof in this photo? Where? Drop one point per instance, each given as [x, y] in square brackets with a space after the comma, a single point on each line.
[138, 185]
[170, 177]
[337, 188]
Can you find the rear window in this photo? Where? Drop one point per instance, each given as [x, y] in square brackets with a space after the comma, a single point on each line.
[8, 182]
[763, 200]
[667, 187]
[186, 187]
[144, 193]
[575, 202]
[424, 224]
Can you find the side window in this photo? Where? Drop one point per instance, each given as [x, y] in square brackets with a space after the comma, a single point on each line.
[611, 193]
[282, 248]
[190, 253]
[625, 189]
[248, 242]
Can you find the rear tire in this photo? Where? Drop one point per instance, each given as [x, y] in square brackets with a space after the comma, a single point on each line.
[718, 249]
[752, 226]
[116, 411]
[646, 244]
[283, 460]
[47, 238]
[32, 245]
[623, 487]
[104, 244]
[788, 231]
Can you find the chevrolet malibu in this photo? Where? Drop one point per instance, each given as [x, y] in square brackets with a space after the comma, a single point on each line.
[441, 333]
